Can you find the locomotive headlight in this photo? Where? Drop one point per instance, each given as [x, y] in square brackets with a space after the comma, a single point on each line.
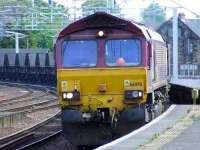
[100, 33]
[75, 95]
[133, 94]
[64, 95]
[69, 95]
[140, 93]
[136, 94]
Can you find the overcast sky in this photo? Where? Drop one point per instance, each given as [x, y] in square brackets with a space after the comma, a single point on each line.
[132, 8]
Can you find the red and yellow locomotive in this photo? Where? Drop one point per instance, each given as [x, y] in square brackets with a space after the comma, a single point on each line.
[109, 70]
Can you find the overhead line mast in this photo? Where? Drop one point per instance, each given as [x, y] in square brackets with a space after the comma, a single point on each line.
[175, 43]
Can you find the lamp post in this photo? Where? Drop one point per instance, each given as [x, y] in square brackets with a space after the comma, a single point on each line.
[16, 42]
[33, 3]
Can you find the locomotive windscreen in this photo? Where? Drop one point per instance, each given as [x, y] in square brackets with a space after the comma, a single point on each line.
[126, 52]
[79, 53]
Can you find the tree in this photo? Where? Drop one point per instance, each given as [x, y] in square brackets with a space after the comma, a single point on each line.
[34, 39]
[153, 16]
[41, 39]
[38, 3]
[7, 42]
[90, 6]
[15, 2]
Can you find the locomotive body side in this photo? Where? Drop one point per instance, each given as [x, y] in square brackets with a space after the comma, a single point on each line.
[158, 72]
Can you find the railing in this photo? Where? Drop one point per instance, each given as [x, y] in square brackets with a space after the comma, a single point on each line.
[189, 71]
[27, 50]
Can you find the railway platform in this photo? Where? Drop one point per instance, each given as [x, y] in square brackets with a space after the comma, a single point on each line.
[188, 140]
[177, 128]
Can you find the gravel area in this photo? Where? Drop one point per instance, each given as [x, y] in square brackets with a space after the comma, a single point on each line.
[7, 92]
[31, 119]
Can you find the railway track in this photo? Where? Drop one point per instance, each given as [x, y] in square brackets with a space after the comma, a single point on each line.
[32, 101]
[27, 94]
[42, 131]
[37, 144]
[44, 135]
[31, 95]
[33, 137]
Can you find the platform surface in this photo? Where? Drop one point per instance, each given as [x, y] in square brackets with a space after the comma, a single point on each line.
[139, 137]
[189, 139]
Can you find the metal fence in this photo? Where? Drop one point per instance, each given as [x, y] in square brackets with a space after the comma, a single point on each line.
[31, 50]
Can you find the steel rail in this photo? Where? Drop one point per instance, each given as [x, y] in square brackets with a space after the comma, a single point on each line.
[20, 135]
[15, 142]
[35, 102]
[28, 106]
[20, 99]
[41, 141]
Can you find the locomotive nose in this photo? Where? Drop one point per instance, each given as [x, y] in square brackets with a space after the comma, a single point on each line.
[91, 89]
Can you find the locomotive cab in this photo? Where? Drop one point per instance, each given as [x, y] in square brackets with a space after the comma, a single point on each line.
[106, 71]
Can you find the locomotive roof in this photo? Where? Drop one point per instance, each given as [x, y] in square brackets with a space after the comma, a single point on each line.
[102, 19]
